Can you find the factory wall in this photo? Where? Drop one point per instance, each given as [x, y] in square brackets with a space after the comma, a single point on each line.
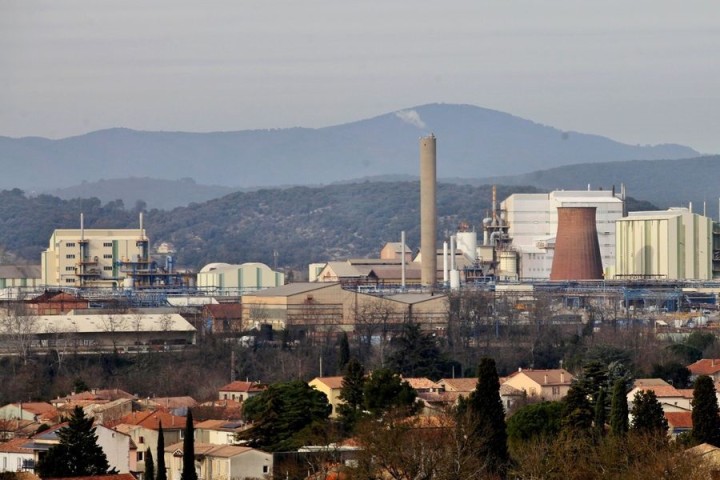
[673, 245]
[62, 262]
[247, 277]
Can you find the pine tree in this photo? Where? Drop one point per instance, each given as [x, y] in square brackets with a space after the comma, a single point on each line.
[344, 354]
[705, 418]
[619, 409]
[578, 411]
[78, 453]
[161, 471]
[599, 421]
[352, 394]
[149, 465]
[485, 418]
[648, 416]
[189, 472]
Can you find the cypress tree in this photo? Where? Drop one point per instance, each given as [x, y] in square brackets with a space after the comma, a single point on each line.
[149, 465]
[619, 409]
[486, 416]
[578, 410]
[188, 472]
[600, 416]
[648, 416]
[705, 418]
[344, 354]
[161, 471]
[352, 394]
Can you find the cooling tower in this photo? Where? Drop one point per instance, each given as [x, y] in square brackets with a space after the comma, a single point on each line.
[577, 251]
[428, 215]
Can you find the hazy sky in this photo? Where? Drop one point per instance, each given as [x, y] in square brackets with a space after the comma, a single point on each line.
[639, 71]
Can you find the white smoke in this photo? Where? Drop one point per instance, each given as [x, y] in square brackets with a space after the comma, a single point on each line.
[411, 117]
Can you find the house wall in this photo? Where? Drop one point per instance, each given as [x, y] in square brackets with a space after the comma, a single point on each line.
[532, 388]
[251, 465]
[116, 446]
[332, 394]
[13, 462]
[13, 411]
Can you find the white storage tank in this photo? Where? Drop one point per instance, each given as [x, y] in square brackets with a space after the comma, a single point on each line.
[508, 263]
[467, 243]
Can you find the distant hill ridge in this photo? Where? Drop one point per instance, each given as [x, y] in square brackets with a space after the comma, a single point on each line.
[472, 142]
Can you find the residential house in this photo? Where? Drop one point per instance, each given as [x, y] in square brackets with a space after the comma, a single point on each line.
[705, 366]
[41, 412]
[175, 405]
[422, 385]
[94, 396]
[109, 412]
[678, 423]
[143, 427]
[219, 432]
[240, 391]
[14, 457]
[16, 428]
[116, 445]
[671, 399]
[331, 387]
[552, 384]
[220, 461]
[452, 388]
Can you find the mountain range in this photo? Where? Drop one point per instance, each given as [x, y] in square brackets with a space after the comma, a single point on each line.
[473, 142]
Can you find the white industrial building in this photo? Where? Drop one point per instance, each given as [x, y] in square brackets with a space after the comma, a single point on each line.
[90, 257]
[675, 244]
[223, 278]
[532, 221]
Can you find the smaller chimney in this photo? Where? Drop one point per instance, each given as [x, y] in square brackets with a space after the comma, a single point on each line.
[519, 369]
[562, 377]
[545, 379]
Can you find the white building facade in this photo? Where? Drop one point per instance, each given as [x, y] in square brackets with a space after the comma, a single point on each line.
[673, 245]
[532, 219]
[231, 279]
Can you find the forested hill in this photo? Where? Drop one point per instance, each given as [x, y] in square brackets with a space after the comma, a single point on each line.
[303, 224]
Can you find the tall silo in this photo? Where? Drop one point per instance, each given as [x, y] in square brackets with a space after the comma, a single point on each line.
[428, 214]
[577, 250]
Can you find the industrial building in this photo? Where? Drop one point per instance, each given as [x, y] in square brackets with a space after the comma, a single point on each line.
[675, 244]
[226, 279]
[532, 221]
[89, 257]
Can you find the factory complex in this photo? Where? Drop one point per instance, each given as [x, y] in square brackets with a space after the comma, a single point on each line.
[580, 250]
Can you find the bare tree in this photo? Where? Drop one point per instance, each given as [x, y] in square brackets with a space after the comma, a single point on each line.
[113, 324]
[19, 327]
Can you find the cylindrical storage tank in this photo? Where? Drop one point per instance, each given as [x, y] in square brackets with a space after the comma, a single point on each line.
[467, 242]
[507, 260]
[428, 215]
[128, 283]
[577, 250]
[454, 279]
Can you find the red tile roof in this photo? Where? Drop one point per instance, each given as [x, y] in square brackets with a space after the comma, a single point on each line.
[679, 419]
[15, 445]
[334, 383]
[152, 419]
[228, 311]
[238, 386]
[459, 384]
[422, 383]
[705, 366]
[40, 408]
[662, 391]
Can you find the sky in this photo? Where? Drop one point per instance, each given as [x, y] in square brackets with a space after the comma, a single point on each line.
[639, 71]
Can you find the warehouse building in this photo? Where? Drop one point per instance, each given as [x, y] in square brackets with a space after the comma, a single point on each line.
[226, 279]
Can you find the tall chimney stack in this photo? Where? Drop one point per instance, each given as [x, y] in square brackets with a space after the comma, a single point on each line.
[428, 214]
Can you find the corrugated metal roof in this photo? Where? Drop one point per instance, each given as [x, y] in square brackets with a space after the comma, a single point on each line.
[292, 289]
[20, 271]
[117, 323]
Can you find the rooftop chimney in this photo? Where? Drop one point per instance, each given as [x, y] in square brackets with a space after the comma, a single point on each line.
[545, 379]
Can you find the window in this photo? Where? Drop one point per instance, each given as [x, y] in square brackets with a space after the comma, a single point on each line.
[139, 456]
[266, 469]
[70, 269]
[70, 244]
[107, 268]
[69, 280]
[70, 255]
[141, 440]
[556, 390]
[107, 255]
[107, 244]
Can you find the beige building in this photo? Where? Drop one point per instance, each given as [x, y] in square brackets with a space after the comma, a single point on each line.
[327, 307]
[673, 245]
[331, 387]
[223, 278]
[214, 462]
[90, 257]
[14, 276]
[550, 384]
